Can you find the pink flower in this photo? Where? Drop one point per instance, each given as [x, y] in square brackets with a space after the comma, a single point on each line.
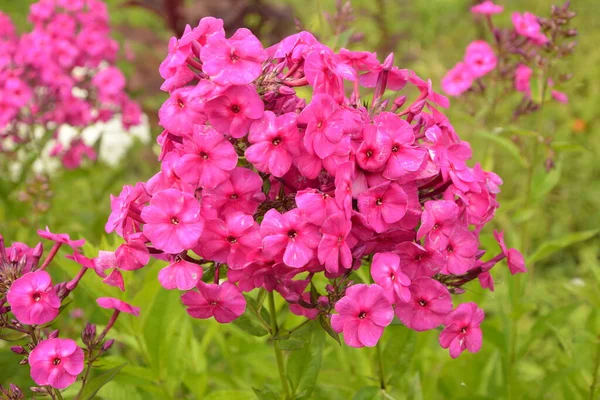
[133, 254]
[224, 302]
[362, 314]
[234, 61]
[458, 80]
[439, 218]
[561, 97]
[207, 160]
[462, 330]
[429, 304]
[480, 58]
[527, 25]
[242, 192]
[33, 299]
[291, 233]
[334, 252]
[515, 260]
[326, 73]
[180, 274]
[487, 8]
[418, 261]
[522, 79]
[324, 125]
[275, 141]
[124, 216]
[230, 241]
[173, 221]
[181, 112]
[61, 238]
[459, 248]
[119, 305]
[115, 279]
[375, 149]
[234, 110]
[56, 362]
[316, 205]
[383, 205]
[386, 272]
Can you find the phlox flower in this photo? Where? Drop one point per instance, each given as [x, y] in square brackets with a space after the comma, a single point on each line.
[224, 302]
[487, 8]
[522, 79]
[386, 272]
[459, 249]
[375, 149]
[124, 216]
[62, 238]
[429, 303]
[173, 221]
[316, 205]
[462, 331]
[418, 261]
[527, 25]
[362, 314]
[232, 112]
[334, 249]
[33, 299]
[242, 192]
[181, 111]
[514, 258]
[458, 80]
[439, 218]
[56, 362]
[180, 274]
[383, 205]
[133, 254]
[480, 58]
[324, 125]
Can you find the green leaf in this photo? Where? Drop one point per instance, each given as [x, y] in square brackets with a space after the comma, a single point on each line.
[289, 344]
[368, 393]
[326, 324]
[265, 394]
[508, 145]
[231, 395]
[548, 248]
[303, 365]
[95, 384]
[247, 323]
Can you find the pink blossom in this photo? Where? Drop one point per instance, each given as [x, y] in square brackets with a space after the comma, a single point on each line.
[230, 241]
[180, 274]
[487, 8]
[242, 192]
[124, 217]
[561, 97]
[458, 80]
[462, 331]
[61, 238]
[56, 362]
[522, 79]
[291, 233]
[375, 149]
[173, 221]
[527, 25]
[386, 272]
[480, 58]
[234, 61]
[362, 314]
[224, 302]
[515, 260]
[33, 299]
[207, 159]
[181, 112]
[115, 279]
[234, 110]
[275, 141]
[459, 248]
[326, 73]
[316, 205]
[383, 205]
[133, 254]
[429, 304]
[324, 125]
[418, 261]
[119, 305]
[439, 218]
[334, 251]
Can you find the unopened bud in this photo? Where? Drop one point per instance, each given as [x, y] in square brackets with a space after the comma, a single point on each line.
[61, 289]
[389, 62]
[53, 334]
[36, 389]
[399, 102]
[17, 349]
[323, 301]
[286, 90]
[479, 254]
[108, 344]
[24, 361]
[329, 288]
[549, 164]
[571, 32]
[89, 333]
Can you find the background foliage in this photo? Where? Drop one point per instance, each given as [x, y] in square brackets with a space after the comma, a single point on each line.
[541, 333]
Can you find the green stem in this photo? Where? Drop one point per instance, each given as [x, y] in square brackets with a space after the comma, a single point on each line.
[381, 369]
[58, 394]
[278, 352]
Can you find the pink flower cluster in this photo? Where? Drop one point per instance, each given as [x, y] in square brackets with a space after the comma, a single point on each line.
[261, 188]
[27, 292]
[518, 48]
[61, 72]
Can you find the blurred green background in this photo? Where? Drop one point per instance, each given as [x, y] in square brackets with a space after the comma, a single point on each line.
[542, 329]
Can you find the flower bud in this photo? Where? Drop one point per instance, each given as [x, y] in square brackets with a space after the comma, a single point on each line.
[329, 288]
[399, 102]
[286, 90]
[53, 334]
[17, 349]
[23, 361]
[36, 389]
[323, 301]
[89, 333]
[108, 344]
[388, 63]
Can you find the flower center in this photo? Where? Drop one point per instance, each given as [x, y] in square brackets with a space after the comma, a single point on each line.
[174, 220]
[369, 153]
[180, 103]
[233, 196]
[395, 148]
[436, 226]
[204, 155]
[37, 297]
[231, 239]
[340, 239]
[56, 361]
[292, 234]
[276, 141]
[464, 330]
[422, 303]
[234, 57]
[393, 276]
[450, 249]
[379, 201]
[213, 303]
[319, 125]
[235, 109]
[362, 315]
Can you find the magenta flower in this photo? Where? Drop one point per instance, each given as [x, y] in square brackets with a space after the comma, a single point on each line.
[124, 216]
[522, 79]
[487, 8]
[275, 141]
[458, 80]
[180, 274]
[173, 221]
[362, 314]
[334, 251]
[527, 25]
[115, 304]
[133, 254]
[324, 125]
[375, 149]
[383, 205]
[62, 238]
[291, 233]
[230, 241]
[316, 205]
[480, 58]
[242, 192]
[234, 61]
[386, 272]
[439, 219]
[325, 72]
[561, 97]
[234, 110]
[181, 112]
[56, 362]
[514, 258]
[418, 261]
[207, 160]
[429, 304]
[224, 302]
[33, 299]
[462, 330]
[460, 250]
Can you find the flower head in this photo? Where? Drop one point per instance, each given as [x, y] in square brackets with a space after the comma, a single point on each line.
[33, 299]
[428, 306]
[386, 272]
[224, 302]
[56, 362]
[462, 331]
